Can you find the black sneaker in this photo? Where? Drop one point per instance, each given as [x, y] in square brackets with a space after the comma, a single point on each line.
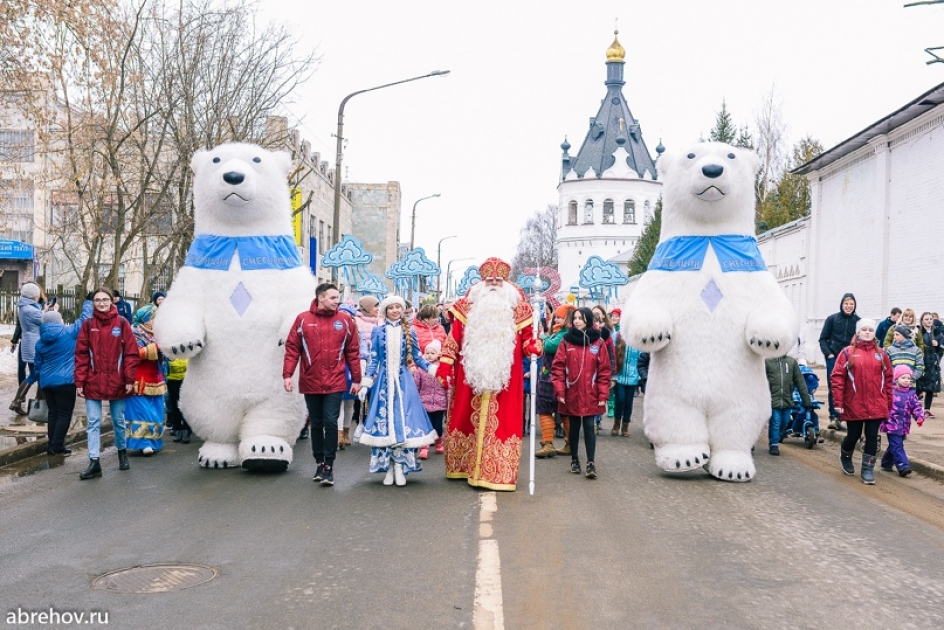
[327, 476]
[591, 471]
[319, 474]
[774, 449]
[575, 466]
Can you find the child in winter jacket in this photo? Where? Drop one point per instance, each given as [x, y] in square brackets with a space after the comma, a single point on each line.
[903, 351]
[581, 378]
[905, 407]
[433, 395]
[783, 374]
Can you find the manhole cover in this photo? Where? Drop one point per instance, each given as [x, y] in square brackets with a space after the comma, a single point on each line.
[154, 578]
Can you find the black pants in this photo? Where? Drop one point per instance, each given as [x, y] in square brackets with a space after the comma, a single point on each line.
[61, 403]
[928, 397]
[436, 418]
[589, 436]
[855, 428]
[177, 420]
[323, 410]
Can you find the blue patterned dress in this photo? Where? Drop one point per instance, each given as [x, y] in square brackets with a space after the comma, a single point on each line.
[396, 423]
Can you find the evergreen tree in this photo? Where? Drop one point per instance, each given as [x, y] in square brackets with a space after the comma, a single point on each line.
[791, 197]
[648, 240]
[724, 129]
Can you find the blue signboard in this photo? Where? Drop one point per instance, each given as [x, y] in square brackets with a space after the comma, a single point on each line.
[15, 250]
[313, 254]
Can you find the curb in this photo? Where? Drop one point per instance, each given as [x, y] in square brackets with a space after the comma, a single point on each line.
[38, 447]
[921, 467]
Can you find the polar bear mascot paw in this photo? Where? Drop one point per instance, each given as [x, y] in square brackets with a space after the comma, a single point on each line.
[769, 334]
[650, 329]
[215, 455]
[682, 457]
[731, 466]
[265, 453]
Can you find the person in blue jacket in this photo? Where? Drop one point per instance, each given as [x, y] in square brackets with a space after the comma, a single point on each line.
[55, 367]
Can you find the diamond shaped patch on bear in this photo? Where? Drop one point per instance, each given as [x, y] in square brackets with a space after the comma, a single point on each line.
[711, 295]
[240, 299]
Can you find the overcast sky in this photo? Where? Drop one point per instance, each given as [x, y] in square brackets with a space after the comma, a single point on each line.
[526, 73]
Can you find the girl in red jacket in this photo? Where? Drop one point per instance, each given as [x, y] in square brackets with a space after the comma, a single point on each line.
[106, 359]
[581, 378]
[862, 394]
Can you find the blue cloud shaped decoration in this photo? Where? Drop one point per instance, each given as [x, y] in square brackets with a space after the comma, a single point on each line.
[348, 253]
[599, 273]
[413, 265]
[469, 278]
[372, 285]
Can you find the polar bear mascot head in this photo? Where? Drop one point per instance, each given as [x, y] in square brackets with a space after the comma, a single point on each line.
[240, 189]
[708, 189]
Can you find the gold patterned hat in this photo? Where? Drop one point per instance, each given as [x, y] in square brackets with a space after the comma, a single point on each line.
[495, 268]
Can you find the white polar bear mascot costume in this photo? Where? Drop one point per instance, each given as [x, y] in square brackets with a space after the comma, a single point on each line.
[231, 306]
[710, 313]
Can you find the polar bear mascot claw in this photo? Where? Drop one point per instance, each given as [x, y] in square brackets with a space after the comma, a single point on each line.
[710, 313]
[230, 308]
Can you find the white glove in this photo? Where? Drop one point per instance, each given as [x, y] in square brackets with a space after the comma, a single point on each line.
[362, 394]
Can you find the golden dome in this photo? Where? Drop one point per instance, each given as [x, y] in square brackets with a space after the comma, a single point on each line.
[615, 52]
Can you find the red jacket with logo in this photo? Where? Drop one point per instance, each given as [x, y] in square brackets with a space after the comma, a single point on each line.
[581, 373]
[864, 389]
[324, 342]
[106, 356]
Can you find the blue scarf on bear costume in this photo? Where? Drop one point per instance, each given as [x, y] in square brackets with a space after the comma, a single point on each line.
[209, 251]
[735, 252]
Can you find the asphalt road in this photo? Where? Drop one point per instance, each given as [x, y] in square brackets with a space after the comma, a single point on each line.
[801, 546]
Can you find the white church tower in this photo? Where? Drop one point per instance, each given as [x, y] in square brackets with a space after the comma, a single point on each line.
[609, 190]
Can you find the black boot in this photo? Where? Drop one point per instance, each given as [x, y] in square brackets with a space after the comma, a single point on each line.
[123, 463]
[20, 397]
[868, 466]
[178, 435]
[94, 469]
[185, 436]
[845, 458]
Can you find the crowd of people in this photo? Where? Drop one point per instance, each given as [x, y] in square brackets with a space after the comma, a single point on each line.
[107, 355]
[438, 381]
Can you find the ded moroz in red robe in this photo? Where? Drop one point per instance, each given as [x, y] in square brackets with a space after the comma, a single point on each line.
[484, 431]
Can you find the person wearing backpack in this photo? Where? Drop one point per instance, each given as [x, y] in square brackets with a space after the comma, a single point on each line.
[862, 391]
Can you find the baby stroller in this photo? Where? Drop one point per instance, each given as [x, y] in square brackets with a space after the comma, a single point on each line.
[805, 421]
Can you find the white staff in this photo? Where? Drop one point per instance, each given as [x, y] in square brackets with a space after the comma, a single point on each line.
[537, 307]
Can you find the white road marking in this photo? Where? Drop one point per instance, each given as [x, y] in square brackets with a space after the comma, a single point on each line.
[487, 612]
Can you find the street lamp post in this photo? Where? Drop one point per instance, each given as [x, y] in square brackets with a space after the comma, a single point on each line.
[413, 220]
[449, 271]
[336, 229]
[438, 253]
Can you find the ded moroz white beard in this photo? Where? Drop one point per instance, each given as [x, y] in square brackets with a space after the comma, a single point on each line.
[488, 347]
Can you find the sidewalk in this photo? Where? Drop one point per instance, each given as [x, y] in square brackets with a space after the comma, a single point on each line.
[925, 445]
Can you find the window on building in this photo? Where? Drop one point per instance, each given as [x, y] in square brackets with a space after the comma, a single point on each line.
[588, 212]
[647, 212]
[629, 211]
[17, 146]
[608, 211]
[321, 238]
[16, 210]
[64, 212]
[572, 213]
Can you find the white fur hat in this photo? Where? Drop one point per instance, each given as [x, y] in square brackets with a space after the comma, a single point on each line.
[388, 301]
[30, 290]
[865, 323]
[435, 343]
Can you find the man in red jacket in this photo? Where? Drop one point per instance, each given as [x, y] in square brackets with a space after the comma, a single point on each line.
[106, 359]
[326, 343]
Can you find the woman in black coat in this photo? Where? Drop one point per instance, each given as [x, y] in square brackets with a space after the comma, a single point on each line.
[930, 381]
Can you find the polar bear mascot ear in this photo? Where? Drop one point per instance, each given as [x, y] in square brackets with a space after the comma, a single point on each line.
[664, 163]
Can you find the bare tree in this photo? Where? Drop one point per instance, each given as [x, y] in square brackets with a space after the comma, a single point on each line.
[771, 131]
[124, 92]
[538, 244]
